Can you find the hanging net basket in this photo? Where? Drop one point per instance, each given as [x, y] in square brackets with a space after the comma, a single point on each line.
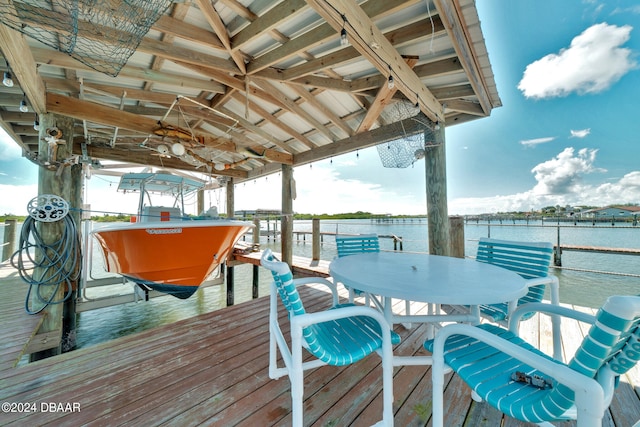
[101, 34]
[410, 146]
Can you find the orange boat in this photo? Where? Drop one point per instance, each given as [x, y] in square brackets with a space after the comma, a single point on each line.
[164, 250]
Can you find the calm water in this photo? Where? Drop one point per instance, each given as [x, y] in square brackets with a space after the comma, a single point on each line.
[576, 286]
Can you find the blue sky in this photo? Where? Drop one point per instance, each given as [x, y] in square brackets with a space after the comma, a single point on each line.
[568, 133]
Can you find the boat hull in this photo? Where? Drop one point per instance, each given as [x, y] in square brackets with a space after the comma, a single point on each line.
[174, 257]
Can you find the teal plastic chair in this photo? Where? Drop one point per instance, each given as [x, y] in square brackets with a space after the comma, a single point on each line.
[360, 244]
[530, 260]
[526, 384]
[339, 336]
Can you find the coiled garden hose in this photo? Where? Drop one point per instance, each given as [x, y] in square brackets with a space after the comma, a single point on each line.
[46, 267]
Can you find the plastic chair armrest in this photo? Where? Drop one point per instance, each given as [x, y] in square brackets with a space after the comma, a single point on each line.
[550, 280]
[589, 395]
[321, 281]
[550, 309]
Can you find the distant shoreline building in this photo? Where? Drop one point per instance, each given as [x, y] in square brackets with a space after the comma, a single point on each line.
[621, 212]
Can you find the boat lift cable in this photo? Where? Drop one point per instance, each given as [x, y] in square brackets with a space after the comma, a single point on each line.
[46, 267]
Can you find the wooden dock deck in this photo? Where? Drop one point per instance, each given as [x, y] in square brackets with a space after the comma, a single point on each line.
[18, 330]
[212, 370]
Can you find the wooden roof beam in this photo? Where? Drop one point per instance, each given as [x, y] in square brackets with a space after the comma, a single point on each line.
[178, 28]
[16, 51]
[212, 16]
[398, 36]
[463, 106]
[320, 34]
[58, 59]
[383, 98]
[453, 19]
[362, 140]
[256, 129]
[385, 57]
[294, 108]
[310, 98]
[267, 22]
[279, 124]
[83, 110]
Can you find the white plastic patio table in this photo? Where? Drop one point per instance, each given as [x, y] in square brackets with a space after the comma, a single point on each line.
[428, 278]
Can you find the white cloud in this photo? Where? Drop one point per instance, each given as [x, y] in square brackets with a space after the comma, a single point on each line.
[537, 141]
[580, 133]
[562, 174]
[592, 63]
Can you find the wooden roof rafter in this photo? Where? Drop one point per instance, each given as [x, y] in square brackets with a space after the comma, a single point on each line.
[383, 98]
[220, 29]
[374, 46]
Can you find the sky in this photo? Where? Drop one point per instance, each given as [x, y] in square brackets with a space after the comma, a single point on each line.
[568, 133]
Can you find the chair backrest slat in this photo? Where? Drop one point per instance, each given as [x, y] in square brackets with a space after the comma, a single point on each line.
[351, 245]
[283, 279]
[529, 259]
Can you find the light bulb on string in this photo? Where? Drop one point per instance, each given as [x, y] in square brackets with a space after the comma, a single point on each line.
[7, 80]
[390, 83]
[23, 104]
[36, 123]
[344, 41]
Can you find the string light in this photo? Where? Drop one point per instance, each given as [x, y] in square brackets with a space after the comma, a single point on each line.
[390, 83]
[36, 123]
[344, 41]
[7, 79]
[390, 80]
[23, 104]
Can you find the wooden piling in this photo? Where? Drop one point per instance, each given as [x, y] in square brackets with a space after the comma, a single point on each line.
[9, 241]
[55, 177]
[286, 229]
[436, 184]
[315, 240]
[456, 231]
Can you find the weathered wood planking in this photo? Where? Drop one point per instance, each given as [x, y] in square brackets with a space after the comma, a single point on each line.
[17, 327]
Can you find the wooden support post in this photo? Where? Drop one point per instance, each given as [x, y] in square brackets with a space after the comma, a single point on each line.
[256, 231]
[230, 199]
[255, 281]
[9, 241]
[456, 224]
[315, 239]
[64, 181]
[230, 286]
[436, 183]
[286, 229]
[200, 202]
[557, 254]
